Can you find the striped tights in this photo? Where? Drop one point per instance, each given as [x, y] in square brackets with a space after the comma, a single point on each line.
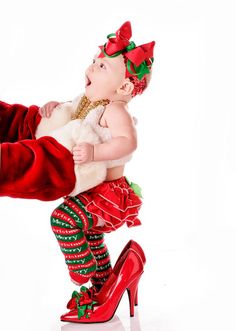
[86, 254]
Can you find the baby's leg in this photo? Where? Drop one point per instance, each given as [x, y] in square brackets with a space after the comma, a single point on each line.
[69, 221]
[101, 254]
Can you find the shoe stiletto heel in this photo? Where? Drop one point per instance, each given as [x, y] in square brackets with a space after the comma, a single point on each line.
[138, 249]
[132, 294]
[136, 298]
[102, 307]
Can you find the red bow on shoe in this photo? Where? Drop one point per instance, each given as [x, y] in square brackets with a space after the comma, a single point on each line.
[139, 58]
[82, 301]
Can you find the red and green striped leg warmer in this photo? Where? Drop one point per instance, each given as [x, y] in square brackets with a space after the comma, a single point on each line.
[69, 221]
[101, 254]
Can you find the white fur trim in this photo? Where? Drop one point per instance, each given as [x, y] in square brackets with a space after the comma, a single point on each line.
[60, 116]
[69, 133]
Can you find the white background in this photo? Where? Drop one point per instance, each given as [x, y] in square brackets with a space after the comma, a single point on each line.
[185, 162]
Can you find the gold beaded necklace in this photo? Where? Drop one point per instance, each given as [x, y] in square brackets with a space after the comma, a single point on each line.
[85, 106]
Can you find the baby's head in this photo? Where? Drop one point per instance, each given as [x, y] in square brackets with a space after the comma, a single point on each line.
[120, 70]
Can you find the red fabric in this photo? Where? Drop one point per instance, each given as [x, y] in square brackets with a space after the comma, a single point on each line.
[114, 202]
[36, 169]
[32, 169]
[18, 122]
[120, 41]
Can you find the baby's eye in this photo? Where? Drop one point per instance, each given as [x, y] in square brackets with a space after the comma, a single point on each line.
[93, 60]
[102, 66]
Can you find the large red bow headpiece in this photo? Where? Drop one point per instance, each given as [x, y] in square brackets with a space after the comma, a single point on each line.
[139, 58]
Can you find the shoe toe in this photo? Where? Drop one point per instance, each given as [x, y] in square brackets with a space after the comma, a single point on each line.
[69, 316]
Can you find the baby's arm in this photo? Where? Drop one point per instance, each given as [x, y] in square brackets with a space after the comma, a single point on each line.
[124, 137]
[123, 142]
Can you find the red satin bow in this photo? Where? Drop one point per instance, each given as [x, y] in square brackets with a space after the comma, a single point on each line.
[119, 41]
[141, 53]
[139, 58]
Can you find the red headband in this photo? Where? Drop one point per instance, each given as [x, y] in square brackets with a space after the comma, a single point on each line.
[139, 58]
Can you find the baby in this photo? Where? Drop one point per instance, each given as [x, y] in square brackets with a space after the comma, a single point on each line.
[118, 72]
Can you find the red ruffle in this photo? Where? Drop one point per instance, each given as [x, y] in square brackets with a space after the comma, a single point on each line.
[114, 202]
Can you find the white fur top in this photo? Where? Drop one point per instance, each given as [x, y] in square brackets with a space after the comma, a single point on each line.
[71, 132]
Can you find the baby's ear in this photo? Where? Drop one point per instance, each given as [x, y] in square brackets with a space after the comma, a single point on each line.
[126, 87]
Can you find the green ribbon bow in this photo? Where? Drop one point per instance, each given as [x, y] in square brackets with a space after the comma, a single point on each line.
[135, 187]
[139, 71]
[83, 309]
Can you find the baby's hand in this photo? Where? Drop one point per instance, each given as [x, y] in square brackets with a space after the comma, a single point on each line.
[47, 109]
[83, 153]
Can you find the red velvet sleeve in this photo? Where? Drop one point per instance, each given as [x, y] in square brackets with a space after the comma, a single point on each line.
[36, 169]
[18, 122]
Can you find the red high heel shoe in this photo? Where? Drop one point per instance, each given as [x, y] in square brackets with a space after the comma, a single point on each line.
[92, 291]
[125, 275]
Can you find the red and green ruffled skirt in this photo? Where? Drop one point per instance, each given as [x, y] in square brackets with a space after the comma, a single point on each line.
[114, 202]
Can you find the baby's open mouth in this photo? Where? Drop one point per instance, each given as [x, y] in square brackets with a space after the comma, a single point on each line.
[87, 81]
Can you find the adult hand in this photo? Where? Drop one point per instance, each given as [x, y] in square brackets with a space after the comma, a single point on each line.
[47, 109]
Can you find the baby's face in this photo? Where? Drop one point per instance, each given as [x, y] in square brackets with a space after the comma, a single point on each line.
[103, 77]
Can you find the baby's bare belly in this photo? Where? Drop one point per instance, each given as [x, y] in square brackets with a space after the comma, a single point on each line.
[114, 173]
